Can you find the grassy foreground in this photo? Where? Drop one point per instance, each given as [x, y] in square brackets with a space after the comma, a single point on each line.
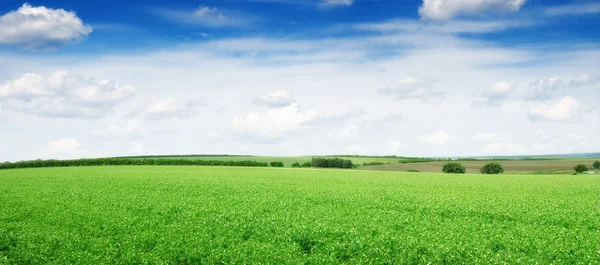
[146, 214]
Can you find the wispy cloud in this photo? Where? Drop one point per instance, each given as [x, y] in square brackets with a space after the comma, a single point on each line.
[444, 10]
[458, 26]
[335, 3]
[207, 16]
[573, 9]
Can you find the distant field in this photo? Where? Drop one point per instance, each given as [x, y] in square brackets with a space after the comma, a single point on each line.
[216, 215]
[518, 166]
[289, 160]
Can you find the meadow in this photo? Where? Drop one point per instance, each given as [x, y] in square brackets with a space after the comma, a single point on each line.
[234, 215]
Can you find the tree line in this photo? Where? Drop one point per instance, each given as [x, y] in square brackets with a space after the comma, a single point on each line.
[127, 162]
[332, 162]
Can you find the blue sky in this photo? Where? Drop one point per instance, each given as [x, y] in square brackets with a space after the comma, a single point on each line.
[286, 77]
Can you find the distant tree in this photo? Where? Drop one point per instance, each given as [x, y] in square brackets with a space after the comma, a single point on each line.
[276, 164]
[296, 164]
[332, 162]
[597, 164]
[454, 167]
[492, 168]
[306, 164]
[581, 168]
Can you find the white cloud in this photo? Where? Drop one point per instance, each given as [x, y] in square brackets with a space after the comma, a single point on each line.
[207, 16]
[566, 110]
[573, 9]
[452, 27]
[171, 108]
[543, 134]
[357, 150]
[41, 27]
[131, 128]
[503, 148]
[441, 10]
[499, 93]
[542, 89]
[63, 95]
[273, 124]
[329, 119]
[276, 99]
[587, 79]
[334, 3]
[346, 133]
[64, 148]
[413, 88]
[391, 118]
[138, 148]
[484, 137]
[393, 147]
[435, 139]
[278, 123]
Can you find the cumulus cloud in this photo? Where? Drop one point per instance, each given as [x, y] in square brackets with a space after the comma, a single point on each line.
[542, 89]
[587, 79]
[442, 10]
[278, 123]
[63, 95]
[484, 137]
[272, 124]
[336, 3]
[566, 110]
[41, 27]
[499, 93]
[171, 108]
[413, 88]
[206, 16]
[276, 99]
[435, 139]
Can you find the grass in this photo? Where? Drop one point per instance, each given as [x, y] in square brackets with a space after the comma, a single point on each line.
[188, 215]
[563, 166]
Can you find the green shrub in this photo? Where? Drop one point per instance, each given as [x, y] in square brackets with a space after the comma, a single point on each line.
[596, 165]
[454, 167]
[296, 164]
[306, 164]
[581, 168]
[492, 168]
[276, 164]
[412, 170]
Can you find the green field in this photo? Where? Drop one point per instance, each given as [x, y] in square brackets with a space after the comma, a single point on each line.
[208, 215]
